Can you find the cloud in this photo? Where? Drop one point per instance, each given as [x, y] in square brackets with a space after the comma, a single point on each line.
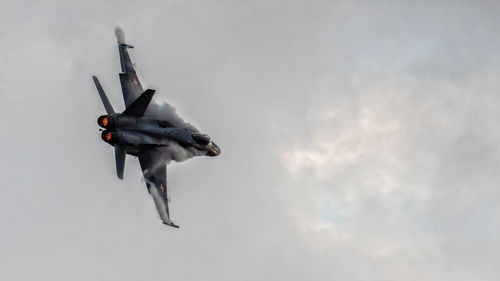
[377, 173]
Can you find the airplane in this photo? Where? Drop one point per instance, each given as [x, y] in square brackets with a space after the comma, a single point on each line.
[142, 133]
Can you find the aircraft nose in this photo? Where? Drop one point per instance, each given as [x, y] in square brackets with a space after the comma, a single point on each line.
[213, 149]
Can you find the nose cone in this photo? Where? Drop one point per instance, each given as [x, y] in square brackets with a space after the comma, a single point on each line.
[213, 149]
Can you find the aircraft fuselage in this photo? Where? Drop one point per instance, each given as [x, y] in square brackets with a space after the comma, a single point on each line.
[136, 133]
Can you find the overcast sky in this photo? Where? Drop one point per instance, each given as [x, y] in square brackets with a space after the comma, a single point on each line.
[359, 141]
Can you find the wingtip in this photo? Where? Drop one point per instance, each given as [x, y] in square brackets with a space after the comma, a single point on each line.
[171, 224]
[125, 45]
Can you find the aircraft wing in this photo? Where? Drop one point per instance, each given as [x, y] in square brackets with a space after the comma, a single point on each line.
[154, 170]
[131, 86]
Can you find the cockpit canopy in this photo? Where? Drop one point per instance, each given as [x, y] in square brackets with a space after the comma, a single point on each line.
[201, 139]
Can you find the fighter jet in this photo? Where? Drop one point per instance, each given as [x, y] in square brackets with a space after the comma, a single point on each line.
[137, 132]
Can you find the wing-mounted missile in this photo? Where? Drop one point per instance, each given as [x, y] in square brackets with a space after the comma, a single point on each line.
[171, 223]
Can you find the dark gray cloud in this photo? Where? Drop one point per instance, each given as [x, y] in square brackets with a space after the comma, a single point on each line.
[359, 139]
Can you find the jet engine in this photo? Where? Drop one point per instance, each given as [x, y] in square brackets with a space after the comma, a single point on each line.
[130, 139]
[106, 121]
[109, 136]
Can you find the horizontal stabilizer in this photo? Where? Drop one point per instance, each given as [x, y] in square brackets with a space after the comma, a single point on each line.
[139, 106]
[120, 155]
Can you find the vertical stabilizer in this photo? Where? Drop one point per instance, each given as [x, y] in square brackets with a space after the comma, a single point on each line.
[139, 106]
[104, 98]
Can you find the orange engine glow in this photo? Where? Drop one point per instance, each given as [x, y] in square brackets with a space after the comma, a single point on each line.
[105, 121]
[108, 135]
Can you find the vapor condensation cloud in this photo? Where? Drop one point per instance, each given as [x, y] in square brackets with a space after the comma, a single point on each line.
[120, 35]
[161, 110]
[359, 141]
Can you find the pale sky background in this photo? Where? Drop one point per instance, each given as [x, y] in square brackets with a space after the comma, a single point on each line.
[359, 141]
